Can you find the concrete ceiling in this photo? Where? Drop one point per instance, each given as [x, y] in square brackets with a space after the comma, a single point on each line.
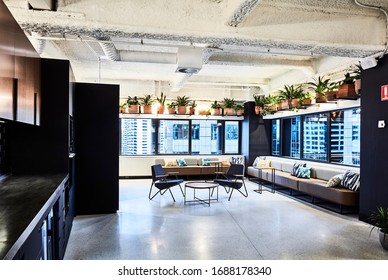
[243, 44]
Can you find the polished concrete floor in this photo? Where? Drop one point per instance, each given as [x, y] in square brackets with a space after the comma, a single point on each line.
[262, 226]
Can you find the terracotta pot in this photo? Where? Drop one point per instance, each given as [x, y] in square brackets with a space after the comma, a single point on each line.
[272, 108]
[294, 103]
[357, 85]
[147, 109]
[331, 95]
[133, 109]
[182, 110]
[171, 111]
[192, 111]
[160, 109]
[229, 112]
[320, 98]
[306, 101]
[240, 112]
[283, 105]
[216, 112]
[346, 91]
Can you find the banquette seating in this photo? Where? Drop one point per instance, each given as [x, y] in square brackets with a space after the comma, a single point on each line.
[334, 183]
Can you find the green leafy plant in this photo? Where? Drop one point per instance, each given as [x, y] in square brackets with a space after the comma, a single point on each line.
[146, 100]
[192, 104]
[228, 102]
[379, 219]
[319, 85]
[171, 105]
[182, 101]
[123, 105]
[357, 72]
[162, 99]
[216, 105]
[238, 107]
[260, 100]
[133, 100]
[348, 79]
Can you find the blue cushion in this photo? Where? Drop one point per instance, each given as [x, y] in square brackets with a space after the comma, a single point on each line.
[205, 162]
[303, 172]
[181, 162]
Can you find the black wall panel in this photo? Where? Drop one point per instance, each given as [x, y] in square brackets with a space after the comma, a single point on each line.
[374, 140]
[96, 121]
[256, 140]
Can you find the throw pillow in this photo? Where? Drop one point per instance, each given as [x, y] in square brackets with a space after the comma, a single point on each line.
[237, 160]
[296, 167]
[225, 162]
[351, 181]
[335, 180]
[255, 161]
[304, 172]
[181, 162]
[263, 163]
[170, 162]
[205, 162]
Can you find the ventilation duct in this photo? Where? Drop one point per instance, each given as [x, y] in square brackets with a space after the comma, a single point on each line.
[109, 49]
[189, 60]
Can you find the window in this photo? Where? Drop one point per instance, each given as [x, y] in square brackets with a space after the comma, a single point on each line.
[314, 137]
[231, 137]
[345, 137]
[156, 136]
[204, 137]
[291, 137]
[276, 137]
[137, 137]
[173, 137]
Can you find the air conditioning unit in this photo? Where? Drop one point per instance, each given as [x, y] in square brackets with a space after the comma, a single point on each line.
[368, 62]
[189, 60]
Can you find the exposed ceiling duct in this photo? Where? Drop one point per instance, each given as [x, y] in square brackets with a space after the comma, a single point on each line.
[109, 49]
[189, 60]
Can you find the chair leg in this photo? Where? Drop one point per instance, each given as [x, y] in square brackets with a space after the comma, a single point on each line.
[149, 195]
[171, 194]
[246, 191]
[181, 190]
[230, 194]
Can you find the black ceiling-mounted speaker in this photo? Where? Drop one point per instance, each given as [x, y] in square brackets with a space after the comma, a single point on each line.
[368, 62]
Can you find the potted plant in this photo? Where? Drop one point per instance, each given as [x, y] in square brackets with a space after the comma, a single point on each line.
[357, 78]
[228, 106]
[346, 87]
[239, 109]
[123, 107]
[291, 94]
[282, 102]
[146, 102]
[161, 100]
[133, 104]
[379, 220]
[216, 108]
[272, 102]
[305, 98]
[259, 103]
[171, 108]
[192, 106]
[332, 91]
[320, 87]
[181, 103]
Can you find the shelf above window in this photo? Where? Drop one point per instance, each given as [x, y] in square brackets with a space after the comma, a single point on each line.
[179, 117]
[316, 108]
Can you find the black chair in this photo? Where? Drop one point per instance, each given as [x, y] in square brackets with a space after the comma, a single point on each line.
[234, 179]
[161, 182]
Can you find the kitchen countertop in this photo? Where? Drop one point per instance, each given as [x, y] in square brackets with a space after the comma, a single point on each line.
[21, 199]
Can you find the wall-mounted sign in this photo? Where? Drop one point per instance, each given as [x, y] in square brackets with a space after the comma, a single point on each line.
[384, 93]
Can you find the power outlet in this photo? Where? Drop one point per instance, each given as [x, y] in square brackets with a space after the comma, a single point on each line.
[381, 124]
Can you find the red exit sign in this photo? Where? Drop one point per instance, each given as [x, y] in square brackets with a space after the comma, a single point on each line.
[384, 93]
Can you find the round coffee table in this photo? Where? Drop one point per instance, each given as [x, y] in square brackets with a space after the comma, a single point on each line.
[201, 185]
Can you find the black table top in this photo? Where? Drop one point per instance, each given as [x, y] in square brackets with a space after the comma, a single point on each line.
[21, 198]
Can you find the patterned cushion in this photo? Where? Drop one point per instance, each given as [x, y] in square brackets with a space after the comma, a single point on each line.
[335, 180]
[237, 160]
[204, 161]
[303, 172]
[181, 162]
[296, 167]
[170, 162]
[225, 162]
[351, 180]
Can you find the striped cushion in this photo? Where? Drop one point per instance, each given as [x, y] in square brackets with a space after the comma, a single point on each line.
[295, 168]
[351, 181]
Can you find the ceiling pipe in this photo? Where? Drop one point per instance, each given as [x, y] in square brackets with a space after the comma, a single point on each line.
[386, 16]
[109, 49]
